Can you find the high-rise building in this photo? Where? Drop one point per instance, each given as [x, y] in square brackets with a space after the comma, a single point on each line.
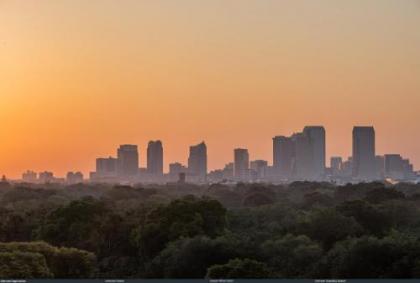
[197, 162]
[283, 156]
[241, 164]
[128, 160]
[316, 136]
[301, 156]
[302, 165]
[364, 164]
[155, 158]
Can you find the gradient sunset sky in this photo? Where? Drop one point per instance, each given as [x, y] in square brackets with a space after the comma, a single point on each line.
[78, 78]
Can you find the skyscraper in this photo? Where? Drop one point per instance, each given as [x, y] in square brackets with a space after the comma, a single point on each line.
[301, 156]
[128, 160]
[155, 158]
[316, 136]
[364, 164]
[241, 163]
[302, 165]
[197, 162]
[283, 156]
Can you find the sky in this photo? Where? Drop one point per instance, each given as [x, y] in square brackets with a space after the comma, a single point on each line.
[78, 78]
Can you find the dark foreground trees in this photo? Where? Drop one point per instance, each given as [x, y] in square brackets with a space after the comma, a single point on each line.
[304, 230]
[40, 260]
[239, 268]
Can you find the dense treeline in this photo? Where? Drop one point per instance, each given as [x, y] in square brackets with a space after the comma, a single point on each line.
[302, 230]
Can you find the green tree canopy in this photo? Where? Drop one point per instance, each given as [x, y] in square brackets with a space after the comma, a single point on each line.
[238, 269]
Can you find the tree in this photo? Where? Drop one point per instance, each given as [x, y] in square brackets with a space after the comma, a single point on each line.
[328, 226]
[187, 217]
[292, 256]
[383, 194]
[85, 224]
[258, 196]
[317, 199]
[60, 262]
[23, 265]
[395, 256]
[257, 199]
[373, 220]
[238, 269]
[400, 213]
[191, 257]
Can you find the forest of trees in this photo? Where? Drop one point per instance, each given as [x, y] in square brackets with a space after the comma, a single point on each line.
[300, 230]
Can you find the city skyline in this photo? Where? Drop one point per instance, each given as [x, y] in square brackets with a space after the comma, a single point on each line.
[302, 156]
[78, 78]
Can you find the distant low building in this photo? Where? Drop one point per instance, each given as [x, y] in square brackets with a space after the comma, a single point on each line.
[258, 169]
[46, 177]
[74, 178]
[228, 171]
[398, 168]
[336, 165]
[215, 176]
[30, 176]
[175, 169]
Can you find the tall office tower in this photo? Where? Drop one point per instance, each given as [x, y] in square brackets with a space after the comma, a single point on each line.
[259, 168]
[128, 160]
[283, 156]
[106, 167]
[364, 168]
[316, 136]
[197, 162]
[336, 164]
[155, 158]
[302, 165]
[241, 163]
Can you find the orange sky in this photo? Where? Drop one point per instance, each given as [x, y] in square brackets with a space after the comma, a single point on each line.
[78, 78]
